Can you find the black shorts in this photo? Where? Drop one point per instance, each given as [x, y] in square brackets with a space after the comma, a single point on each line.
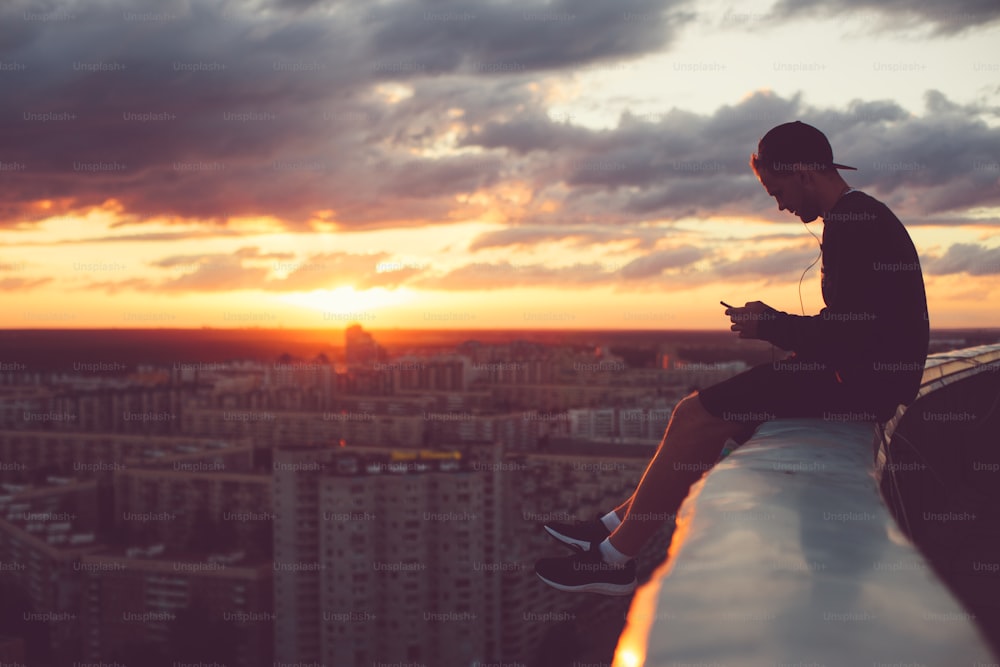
[792, 388]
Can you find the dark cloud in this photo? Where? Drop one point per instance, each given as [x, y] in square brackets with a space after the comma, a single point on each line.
[672, 166]
[580, 235]
[191, 113]
[206, 110]
[251, 269]
[525, 135]
[501, 38]
[684, 164]
[764, 237]
[655, 263]
[352, 113]
[944, 161]
[786, 263]
[648, 269]
[945, 18]
[425, 179]
[504, 275]
[969, 258]
[152, 237]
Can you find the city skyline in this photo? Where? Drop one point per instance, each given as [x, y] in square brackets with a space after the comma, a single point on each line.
[370, 509]
[260, 512]
[571, 166]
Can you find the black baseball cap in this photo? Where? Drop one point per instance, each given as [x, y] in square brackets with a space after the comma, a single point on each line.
[793, 143]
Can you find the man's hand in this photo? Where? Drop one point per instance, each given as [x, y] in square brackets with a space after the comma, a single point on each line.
[747, 319]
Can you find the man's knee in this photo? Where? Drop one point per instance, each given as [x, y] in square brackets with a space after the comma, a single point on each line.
[691, 415]
[690, 410]
[688, 414]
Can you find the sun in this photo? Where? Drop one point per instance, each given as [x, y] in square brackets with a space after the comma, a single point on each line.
[343, 303]
[346, 300]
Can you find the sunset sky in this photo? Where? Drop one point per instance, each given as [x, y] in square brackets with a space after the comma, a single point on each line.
[564, 164]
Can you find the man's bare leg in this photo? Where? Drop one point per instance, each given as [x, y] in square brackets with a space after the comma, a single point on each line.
[691, 445]
[622, 509]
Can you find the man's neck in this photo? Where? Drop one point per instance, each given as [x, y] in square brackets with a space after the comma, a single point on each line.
[832, 194]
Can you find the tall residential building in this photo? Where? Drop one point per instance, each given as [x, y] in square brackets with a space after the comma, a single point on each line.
[443, 373]
[43, 533]
[215, 609]
[26, 454]
[355, 422]
[297, 577]
[125, 409]
[360, 348]
[204, 507]
[381, 560]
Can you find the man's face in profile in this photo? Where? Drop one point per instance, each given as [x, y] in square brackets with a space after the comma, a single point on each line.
[793, 192]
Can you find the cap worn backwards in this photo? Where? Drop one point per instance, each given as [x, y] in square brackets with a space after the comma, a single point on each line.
[794, 146]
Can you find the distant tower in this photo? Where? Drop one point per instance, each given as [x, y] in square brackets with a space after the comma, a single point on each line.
[360, 347]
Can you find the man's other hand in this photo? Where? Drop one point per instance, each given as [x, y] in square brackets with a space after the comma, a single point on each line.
[746, 320]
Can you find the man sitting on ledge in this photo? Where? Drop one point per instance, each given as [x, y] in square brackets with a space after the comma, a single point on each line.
[857, 360]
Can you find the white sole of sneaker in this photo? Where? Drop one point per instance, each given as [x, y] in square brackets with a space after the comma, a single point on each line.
[568, 541]
[602, 588]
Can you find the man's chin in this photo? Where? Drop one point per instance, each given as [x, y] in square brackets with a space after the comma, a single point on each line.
[808, 217]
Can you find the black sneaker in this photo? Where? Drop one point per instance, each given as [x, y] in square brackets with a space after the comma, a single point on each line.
[578, 534]
[586, 572]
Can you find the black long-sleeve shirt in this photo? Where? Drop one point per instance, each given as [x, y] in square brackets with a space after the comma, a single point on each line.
[874, 329]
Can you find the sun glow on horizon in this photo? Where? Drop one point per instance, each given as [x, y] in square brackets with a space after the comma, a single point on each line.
[348, 301]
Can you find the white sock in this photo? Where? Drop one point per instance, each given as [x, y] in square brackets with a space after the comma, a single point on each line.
[611, 521]
[610, 555]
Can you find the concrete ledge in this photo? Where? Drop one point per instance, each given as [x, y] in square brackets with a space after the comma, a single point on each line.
[944, 369]
[785, 555]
